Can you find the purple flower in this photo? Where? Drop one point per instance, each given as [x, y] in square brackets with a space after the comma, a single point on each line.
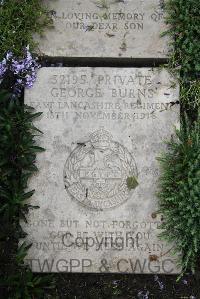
[9, 55]
[155, 277]
[160, 283]
[185, 281]
[16, 90]
[19, 81]
[143, 295]
[17, 66]
[115, 282]
[3, 68]
[29, 81]
[24, 70]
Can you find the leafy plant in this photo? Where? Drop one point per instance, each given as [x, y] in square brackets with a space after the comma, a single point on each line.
[184, 23]
[182, 18]
[190, 95]
[21, 283]
[19, 73]
[180, 179]
[18, 21]
[180, 193]
[102, 4]
[132, 182]
[18, 151]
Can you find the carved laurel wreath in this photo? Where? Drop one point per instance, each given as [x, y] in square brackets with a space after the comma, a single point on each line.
[73, 163]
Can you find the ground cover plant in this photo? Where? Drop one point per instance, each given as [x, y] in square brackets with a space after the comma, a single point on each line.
[19, 19]
[17, 163]
[183, 20]
[184, 23]
[179, 182]
[180, 194]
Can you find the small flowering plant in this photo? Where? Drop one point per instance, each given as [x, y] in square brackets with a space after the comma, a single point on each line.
[160, 283]
[22, 72]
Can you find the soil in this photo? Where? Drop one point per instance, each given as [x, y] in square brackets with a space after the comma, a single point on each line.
[115, 286]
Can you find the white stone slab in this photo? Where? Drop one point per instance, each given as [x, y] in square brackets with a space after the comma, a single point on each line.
[105, 28]
[101, 125]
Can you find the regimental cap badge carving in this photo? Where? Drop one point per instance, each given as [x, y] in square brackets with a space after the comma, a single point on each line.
[96, 172]
[100, 138]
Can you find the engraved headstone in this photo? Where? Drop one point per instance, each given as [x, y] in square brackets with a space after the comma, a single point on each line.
[105, 28]
[101, 126]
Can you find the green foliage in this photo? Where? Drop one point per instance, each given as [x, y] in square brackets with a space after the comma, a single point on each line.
[180, 180]
[18, 21]
[17, 154]
[132, 182]
[18, 151]
[184, 30]
[184, 21]
[21, 283]
[180, 193]
[102, 4]
[190, 95]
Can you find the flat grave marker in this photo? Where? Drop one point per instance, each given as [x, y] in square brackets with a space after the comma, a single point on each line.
[105, 28]
[101, 126]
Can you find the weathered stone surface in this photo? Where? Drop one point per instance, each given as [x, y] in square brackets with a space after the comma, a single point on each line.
[101, 126]
[105, 28]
